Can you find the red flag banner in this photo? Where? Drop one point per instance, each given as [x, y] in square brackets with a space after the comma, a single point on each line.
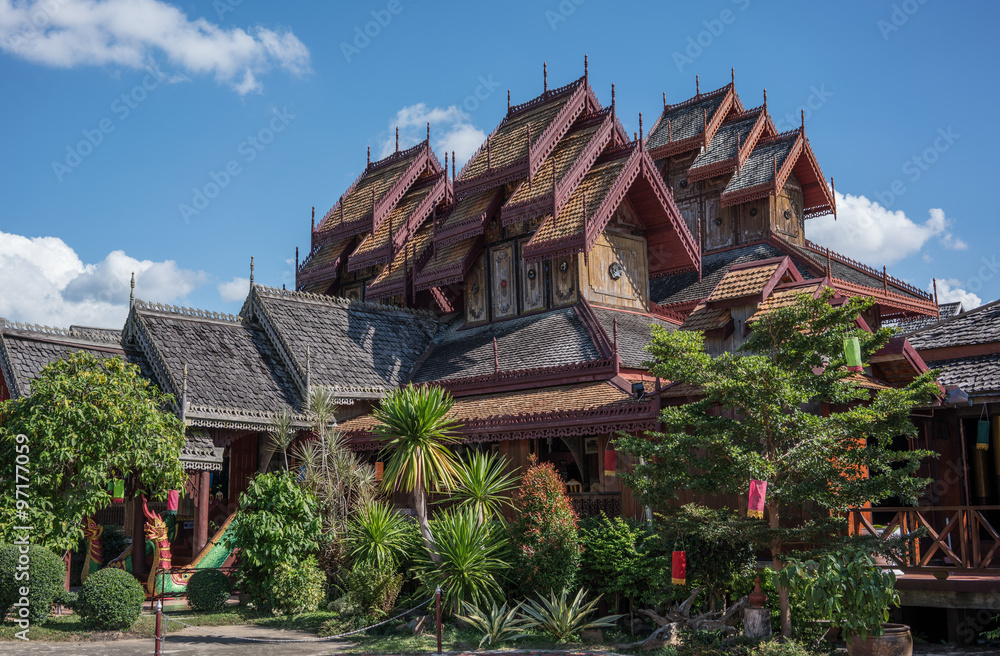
[678, 570]
[758, 491]
[173, 500]
[609, 462]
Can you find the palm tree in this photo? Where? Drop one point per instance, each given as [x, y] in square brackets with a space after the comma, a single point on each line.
[414, 424]
[483, 485]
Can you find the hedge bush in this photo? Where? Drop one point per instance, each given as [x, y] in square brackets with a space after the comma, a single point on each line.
[373, 587]
[110, 600]
[298, 588]
[208, 589]
[46, 575]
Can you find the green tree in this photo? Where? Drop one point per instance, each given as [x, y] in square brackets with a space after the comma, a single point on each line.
[785, 410]
[414, 424]
[87, 422]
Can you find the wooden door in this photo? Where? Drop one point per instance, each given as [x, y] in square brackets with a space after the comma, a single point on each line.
[242, 465]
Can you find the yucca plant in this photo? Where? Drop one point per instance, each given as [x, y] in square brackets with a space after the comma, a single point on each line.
[377, 534]
[563, 619]
[483, 485]
[282, 432]
[466, 562]
[497, 624]
[413, 422]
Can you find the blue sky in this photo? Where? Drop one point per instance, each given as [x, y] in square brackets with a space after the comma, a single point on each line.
[117, 111]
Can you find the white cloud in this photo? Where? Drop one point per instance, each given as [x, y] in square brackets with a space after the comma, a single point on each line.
[234, 290]
[43, 280]
[866, 231]
[133, 33]
[949, 291]
[451, 129]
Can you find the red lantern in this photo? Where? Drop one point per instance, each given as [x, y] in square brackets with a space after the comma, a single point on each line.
[609, 463]
[678, 570]
[758, 492]
[173, 500]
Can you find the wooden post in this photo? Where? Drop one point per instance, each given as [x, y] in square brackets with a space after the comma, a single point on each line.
[437, 600]
[159, 628]
[201, 513]
[138, 536]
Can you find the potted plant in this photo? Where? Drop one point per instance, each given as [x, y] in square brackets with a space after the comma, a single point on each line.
[856, 595]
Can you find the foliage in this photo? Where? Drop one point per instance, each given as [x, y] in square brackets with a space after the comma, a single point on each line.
[44, 578]
[335, 476]
[373, 587]
[848, 588]
[208, 589]
[563, 619]
[760, 417]
[496, 623]
[484, 485]
[114, 542]
[466, 561]
[87, 422]
[110, 600]
[298, 587]
[66, 598]
[545, 546]
[378, 534]
[282, 432]
[415, 425]
[779, 647]
[277, 523]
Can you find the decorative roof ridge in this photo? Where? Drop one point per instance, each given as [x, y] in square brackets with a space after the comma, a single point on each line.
[544, 98]
[274, 292]
[953, 318]
[96, 335]
[843, 259]
[781, 136]
[187, 312]
[604, 342]
[753, 112]
[239, 412]
[155, 358]
[6, 367]
[694, 100]
[399, 155]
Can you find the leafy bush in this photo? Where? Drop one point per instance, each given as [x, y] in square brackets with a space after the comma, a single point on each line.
[378, 534]
[277, 524]
[495, 623]
[546, 550]
[563, 619]
[110, 599]
[46, 573]
[371, 588]
[780, 647]
[114, 542]
[298, 588]
[66, 598]
[469, 563]
[208, 589]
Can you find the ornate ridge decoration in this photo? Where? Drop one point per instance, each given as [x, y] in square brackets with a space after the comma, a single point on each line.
[396, 192]
[245, 415]
[854, 264]
[447, 275]
[472, 226]
[666, 313]
[155, 357]
[283, 348]
[323, 271]
[194, 313]
[557, 129]
[595, 329]
[774, 185]
[667, 198]
[731, 164]
[6, 368]
[544, 98]
[600, 369]
[703, 138]
[340, 302]
[81, 334]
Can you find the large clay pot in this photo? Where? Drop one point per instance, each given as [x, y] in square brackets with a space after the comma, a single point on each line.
[896, 641]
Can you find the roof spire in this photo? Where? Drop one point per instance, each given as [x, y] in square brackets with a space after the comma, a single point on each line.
[369, 157]
[508, 100]
[828, 269]
[664, 101]
[397, 138]
[732, 75]
[296, 258]
[885, 279]
[704, 119]
[640, 128]
[453, 167]
[184, 392]
[802, 126]
[428, 133]
[697, 86]
[251, 270]
[131, 293]
[834, 190]
[765, 100]
[545, 77]
[612, 101]
[446, 165]
[935, 296]
[489, 160]
[670, 131]
[586, 73]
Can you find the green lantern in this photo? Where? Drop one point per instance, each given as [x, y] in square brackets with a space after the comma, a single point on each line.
[983, 435]
[118, 490]
[852, 353]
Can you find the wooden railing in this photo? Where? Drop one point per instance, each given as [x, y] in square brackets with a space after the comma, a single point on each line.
[958, 537]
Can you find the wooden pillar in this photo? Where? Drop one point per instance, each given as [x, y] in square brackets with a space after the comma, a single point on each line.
[200, 513]
[138, 536]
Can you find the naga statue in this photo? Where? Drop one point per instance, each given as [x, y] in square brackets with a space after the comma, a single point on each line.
[95, 552]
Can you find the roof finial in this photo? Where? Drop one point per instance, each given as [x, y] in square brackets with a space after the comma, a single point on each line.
[664, 101]
[369, 156]
[885, 279]
[397, 138]
[296, 258]
[489, 159]
[131, 293]
[935, 296]
[251, 270]
[308, 367]
[640, 128]
[670, 131]
[496, 357]
[612, 101]
[545, 77]
[732, 74]
[834, 191]
[586, 74]
[704, 118]
[828, 269]
[765, 100]
[508, 100]
[697, 86]
[184, 392]
[453, 167]
[446, 165]
[802, 127]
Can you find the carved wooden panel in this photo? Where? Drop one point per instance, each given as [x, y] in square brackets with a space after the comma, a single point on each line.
[354, 292]
[719, 226]
[532, 285]
[690, 209]
[750, 220]
[475, 292]
[564, 275]
[616, 271]
[787, 212]
[502, 281]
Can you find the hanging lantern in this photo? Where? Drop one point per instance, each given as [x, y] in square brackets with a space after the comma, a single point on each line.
[379, 471]
[678, 570]
[118, 490]
[852, 353]
[173, 500]
[983, 435]
[758, 492]
[609, 463]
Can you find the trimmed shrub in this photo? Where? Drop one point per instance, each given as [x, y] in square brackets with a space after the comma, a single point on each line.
[66, 598]
[298, 588]
[780, 647]
[546, 550]
[372, 588]
[110, 600]
[44, 579]
[208, 589]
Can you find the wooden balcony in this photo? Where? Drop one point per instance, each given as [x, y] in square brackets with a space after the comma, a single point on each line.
[957, 538]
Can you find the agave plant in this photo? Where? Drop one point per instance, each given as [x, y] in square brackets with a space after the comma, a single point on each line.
[496, 623]
[562, 619]
[466, 559]
[378, 535]
[483, 484]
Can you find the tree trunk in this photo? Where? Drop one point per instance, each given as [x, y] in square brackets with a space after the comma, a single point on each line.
[420, 501]
[784, 609]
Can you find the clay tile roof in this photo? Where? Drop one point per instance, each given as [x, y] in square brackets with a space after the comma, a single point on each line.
[975, 374]
[979, 326]
[468, 207]
[570, 219]
[759, 166]
[723, 144]
[393, 272]
[680, 390]
[782, 298]
[397, 218]
[565, 155]
[867, 382]
[358, 201]
[945, 311]
[686, 119]
[743, 282]
[447, 257]
[704, 319]
[325, 255]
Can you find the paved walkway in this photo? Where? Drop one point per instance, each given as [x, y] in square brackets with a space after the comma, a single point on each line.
[187, 642]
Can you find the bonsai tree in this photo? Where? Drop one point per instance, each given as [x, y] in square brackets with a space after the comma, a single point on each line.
[414, 424]
[87, 422]
[846, 587]
[786, 410]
